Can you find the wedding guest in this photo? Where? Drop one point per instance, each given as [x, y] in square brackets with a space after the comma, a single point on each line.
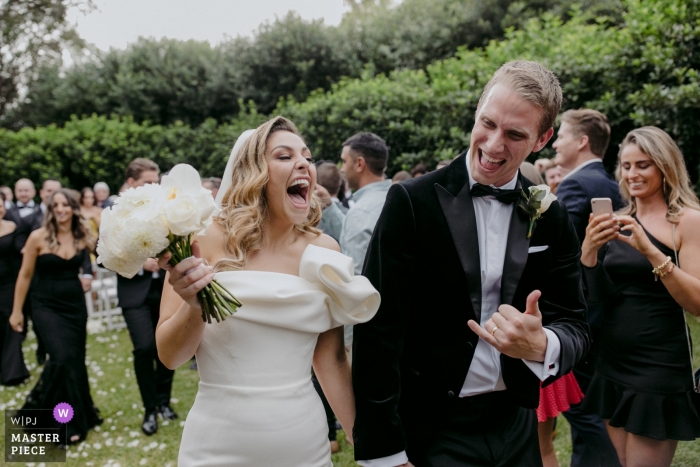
[329, 182]
[543, 163]
[213, 184]
[530, 172]
[297, 289]
[418, 170]
[443, 163]
[13, 370]
[101, 190]
[582, 140]
[139, 298]
[345, 195]
[48, 188]
[453, 378]
[7, 192]
[29, 217]
[646, 274]
[553, 176]
[400, 176]
[89, 210]
[55, 254]
[25, 208]
[365, 156]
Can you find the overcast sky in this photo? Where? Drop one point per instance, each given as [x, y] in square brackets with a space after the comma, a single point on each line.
[117, 23]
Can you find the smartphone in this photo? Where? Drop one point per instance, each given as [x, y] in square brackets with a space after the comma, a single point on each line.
[601, 206]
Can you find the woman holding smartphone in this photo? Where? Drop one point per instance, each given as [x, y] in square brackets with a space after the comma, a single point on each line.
[643, 382]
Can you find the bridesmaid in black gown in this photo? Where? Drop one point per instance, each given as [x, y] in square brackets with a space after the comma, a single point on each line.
[13, 371]
[643, 383]
[56, 254]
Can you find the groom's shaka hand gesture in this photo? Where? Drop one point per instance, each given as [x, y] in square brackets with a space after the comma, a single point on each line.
[515, 334]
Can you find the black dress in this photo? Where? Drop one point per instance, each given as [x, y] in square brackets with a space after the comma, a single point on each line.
[60, 317]
[643, 378]
[13, 371]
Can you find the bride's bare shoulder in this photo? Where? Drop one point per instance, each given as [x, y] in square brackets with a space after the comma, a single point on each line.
[325, 241]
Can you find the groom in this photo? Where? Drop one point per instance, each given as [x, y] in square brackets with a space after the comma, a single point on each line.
[448, 372]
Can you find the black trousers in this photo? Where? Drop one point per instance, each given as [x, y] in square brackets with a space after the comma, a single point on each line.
[487, 430]
[154, 379]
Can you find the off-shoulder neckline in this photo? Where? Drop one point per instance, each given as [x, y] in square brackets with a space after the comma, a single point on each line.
[301, 262]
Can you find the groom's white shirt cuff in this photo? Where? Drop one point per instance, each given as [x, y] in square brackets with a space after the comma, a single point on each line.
[400, 458]
[550, 366]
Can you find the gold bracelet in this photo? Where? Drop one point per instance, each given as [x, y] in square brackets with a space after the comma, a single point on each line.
[662, 274]
[658, 269]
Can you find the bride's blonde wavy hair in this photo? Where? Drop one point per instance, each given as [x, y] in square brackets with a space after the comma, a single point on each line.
[244, 207]
[667, 156]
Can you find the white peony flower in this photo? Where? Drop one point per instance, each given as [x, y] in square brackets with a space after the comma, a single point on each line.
[125, 243]
[143, 203]
[147, 239]
[188, 207]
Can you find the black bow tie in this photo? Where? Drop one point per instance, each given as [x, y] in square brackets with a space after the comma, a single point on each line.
[504, 196]
[22, 205]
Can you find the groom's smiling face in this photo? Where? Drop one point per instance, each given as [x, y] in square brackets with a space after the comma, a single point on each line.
[506, 131]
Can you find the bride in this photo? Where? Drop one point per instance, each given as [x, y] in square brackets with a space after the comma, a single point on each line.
[256, 405]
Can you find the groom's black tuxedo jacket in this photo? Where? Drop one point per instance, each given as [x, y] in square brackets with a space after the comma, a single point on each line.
[423, 258]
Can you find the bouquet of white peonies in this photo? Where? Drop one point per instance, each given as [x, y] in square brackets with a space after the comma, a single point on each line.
[150, 220]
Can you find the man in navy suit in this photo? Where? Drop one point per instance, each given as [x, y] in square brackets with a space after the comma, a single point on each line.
[581, 142]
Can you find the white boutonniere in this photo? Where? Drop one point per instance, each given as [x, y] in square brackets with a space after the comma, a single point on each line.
[536, 204]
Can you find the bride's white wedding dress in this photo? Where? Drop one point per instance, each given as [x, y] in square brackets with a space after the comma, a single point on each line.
[256, 405]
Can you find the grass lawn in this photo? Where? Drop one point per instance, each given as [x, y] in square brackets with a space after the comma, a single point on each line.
[120, 442]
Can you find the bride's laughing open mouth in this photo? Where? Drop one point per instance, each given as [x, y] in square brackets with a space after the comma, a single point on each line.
[298, 193]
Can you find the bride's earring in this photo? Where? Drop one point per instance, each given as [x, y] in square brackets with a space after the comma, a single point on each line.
[663, 185]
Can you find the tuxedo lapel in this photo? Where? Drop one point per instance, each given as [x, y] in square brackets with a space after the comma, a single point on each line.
[516, 250]
[457, 205]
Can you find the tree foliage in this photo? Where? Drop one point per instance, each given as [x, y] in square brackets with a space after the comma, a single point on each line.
[164, 81]
[640, 67]
[33, 33]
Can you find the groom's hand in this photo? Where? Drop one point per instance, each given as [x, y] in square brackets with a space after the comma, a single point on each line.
[518, 335]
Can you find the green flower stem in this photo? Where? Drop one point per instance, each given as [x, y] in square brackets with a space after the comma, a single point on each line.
[215, 300]
[530, 227]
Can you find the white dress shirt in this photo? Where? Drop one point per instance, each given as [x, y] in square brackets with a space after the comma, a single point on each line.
[25, 209]
[484, 375]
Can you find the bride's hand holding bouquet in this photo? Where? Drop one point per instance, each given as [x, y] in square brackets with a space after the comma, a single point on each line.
[159, 221]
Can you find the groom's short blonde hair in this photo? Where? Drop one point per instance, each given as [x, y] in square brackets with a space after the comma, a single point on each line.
[533, 82]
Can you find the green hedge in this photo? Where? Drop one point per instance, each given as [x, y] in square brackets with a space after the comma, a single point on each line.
[642, 71]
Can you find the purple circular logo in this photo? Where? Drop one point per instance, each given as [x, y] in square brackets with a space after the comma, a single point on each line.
[63, 412]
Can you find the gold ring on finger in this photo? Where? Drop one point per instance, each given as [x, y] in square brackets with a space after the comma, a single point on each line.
[493, 331]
